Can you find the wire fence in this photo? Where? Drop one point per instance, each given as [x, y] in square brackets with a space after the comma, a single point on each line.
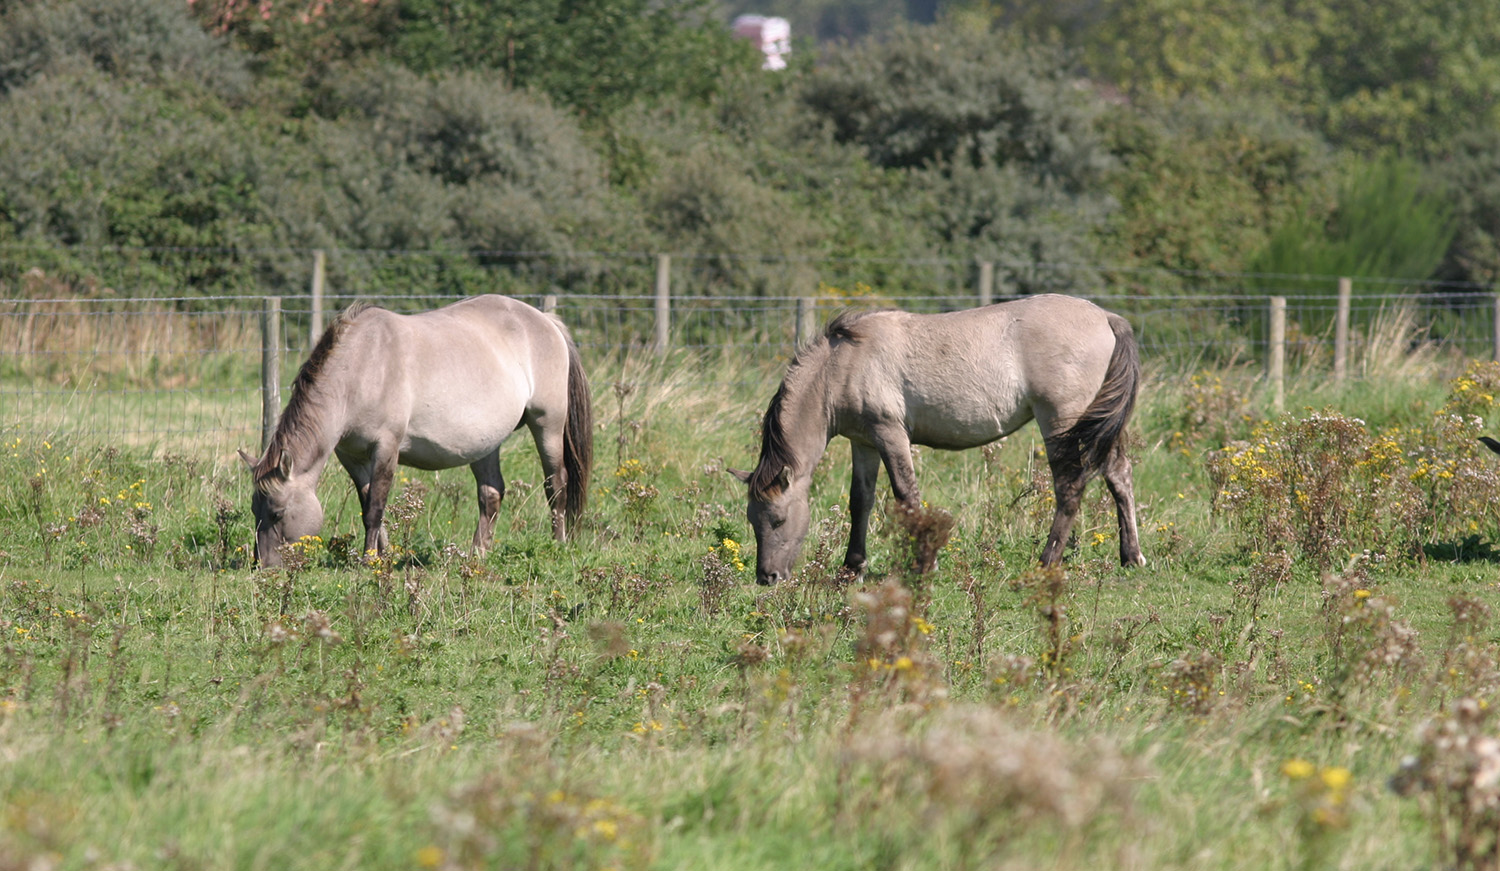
[148, 369]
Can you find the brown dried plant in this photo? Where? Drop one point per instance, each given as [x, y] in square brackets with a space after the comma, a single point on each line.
[1046, 590]
[1455, 773]
[892, 661]
[984, 779]
[1366, 645]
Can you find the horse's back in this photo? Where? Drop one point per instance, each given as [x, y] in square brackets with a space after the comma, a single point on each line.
[479, 338]
[963, 378]
[490, 321]
[455, 380]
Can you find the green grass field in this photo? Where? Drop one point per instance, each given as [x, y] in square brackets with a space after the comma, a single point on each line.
[1317, 609]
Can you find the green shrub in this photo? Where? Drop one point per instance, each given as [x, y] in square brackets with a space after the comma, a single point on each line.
[1330, 485]
[1388, 222]
[1202, 186]
[153, 40]
[998, 143]
[459, 160]
[95, 161]
[1471, 172]
[598, 56]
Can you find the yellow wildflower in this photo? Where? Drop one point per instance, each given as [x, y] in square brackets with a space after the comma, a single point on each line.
[1298, 769]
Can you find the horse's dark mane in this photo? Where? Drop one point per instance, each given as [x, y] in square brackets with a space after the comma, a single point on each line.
[843, 326]
[775, 452]
[775, 455]
[300, 427]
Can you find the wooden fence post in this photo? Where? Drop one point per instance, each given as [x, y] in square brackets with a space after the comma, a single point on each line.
[1276, 364]
[319, 276]
[986, 282]
[549, 303]
[270, 369]
[1496, 329]
[1341, 331]
[805, 325]
[663, 302]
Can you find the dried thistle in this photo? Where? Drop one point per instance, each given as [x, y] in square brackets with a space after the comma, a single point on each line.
[924, 533]
[1047, 589]
[1190, 682]
[1456, 775]
[610, 641]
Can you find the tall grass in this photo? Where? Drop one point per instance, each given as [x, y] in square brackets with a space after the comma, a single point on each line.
[632, 700]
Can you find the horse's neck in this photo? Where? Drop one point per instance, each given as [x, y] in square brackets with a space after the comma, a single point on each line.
[311, 463]
[310, 445]
[806, 418]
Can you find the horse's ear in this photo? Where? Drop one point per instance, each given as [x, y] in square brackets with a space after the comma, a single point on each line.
[284, 464]
[1490, 443]
[743, 476]
[784, 478]
[249, 460]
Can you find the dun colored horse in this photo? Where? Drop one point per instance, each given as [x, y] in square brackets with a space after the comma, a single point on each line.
[434, 390]
[886, 380]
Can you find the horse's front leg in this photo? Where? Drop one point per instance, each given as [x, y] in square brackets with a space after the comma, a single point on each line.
[373, 498]
[360, 473]
[491, 486]
[861, 501]
[894, 446]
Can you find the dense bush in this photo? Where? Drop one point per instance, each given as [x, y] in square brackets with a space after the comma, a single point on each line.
[999, 143]
[1471, 171]
[1366, 74]
[1202, 186]
[466, 128]
[461, 159]
[149, 40]
[95, 161]
[1389, 221]
[751, 183]
[597, 56]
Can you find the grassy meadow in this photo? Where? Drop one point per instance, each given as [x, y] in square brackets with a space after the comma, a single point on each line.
[1300, 678]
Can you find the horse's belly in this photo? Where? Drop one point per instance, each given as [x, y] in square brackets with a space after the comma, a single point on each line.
[960, 425]
[445, 453]
[957, 434]
[442, 441]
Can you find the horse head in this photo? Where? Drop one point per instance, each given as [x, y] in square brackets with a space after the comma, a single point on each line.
[285, 506]
[779, 515]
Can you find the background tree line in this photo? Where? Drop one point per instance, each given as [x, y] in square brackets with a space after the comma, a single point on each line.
[1275, 137]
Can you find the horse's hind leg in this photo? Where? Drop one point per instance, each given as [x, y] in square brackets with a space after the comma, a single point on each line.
[1117, 476]
[549, 447]
[1068, 481]
[491, 487]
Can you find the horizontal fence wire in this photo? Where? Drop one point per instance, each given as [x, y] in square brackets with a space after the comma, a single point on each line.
[163, 372]
[152, 374]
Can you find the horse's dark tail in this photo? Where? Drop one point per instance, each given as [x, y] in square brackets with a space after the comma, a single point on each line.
[1100, 428]
[578, 437]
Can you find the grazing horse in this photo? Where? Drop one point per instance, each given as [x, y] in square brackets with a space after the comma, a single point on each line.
[886, 380]
[434, 390]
